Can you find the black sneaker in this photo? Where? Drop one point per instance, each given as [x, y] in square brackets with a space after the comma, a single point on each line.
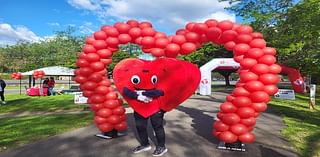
[140, 149]
[103, 136]
[159, 151]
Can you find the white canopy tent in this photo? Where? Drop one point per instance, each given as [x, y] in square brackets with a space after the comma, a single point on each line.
[53, 71]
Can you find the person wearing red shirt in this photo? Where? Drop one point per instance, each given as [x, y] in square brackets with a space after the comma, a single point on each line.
[51, 84]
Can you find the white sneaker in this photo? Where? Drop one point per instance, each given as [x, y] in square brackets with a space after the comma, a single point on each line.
[103, 136]
[140, 149]
[3, 102]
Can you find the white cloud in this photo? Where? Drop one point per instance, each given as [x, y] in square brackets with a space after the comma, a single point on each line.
[86, 28]
[54, 24]
[11, 35]
[173, 14]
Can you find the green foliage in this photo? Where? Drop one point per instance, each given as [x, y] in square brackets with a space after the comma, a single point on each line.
[62, 49]
[303, 129]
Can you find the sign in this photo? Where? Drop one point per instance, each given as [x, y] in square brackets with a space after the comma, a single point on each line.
[312, 102]
[79, 98]
[285, 94]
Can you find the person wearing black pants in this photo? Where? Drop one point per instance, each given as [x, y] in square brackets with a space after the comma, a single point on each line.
[142, 122]
[2, 86]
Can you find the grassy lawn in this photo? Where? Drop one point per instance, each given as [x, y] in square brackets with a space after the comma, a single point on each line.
[303, 129]
[23, 130]
[21, 103]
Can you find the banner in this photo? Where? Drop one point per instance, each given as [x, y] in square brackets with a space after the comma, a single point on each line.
[79, 98]
[285, 94]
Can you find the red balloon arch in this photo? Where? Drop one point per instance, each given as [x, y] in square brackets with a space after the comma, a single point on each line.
[237, 117]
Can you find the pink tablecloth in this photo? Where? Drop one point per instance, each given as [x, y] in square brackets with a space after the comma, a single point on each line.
[34, 91]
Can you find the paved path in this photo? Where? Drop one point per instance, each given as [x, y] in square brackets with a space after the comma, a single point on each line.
[188, 134]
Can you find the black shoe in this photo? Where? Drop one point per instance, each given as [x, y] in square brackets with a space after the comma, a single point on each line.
[159, 151]
[140, 149]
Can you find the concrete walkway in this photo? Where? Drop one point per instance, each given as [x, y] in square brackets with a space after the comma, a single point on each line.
[188, 134]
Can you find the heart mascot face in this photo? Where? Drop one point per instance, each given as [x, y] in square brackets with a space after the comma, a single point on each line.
[175, 78]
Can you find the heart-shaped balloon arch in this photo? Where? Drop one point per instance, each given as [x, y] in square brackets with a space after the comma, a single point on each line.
[258, 71]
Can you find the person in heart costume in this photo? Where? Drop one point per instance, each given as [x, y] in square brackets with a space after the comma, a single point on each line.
[165, 83]
[152, 88]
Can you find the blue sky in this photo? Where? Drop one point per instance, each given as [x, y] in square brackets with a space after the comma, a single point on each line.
[34, 20]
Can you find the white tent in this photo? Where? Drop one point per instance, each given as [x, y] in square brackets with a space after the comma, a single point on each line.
[53, 71]
[205, 84]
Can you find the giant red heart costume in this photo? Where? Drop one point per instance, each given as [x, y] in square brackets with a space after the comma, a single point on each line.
[177, 79]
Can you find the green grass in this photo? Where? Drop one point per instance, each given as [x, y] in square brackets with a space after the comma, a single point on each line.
[303, 124]
[21, 103]
[23, 130]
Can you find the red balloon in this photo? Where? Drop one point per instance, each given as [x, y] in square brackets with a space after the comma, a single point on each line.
[200, 28]
[112, 32]
[106, 61]
[157, 52]
[225, 25]
[178, 39]
[121, 126]
[228, 35]
[82, 63]
[269, 79]
[248, 121]
[97, 98]
[248, 76]
[247, 137]
[267, 59]
[211, 23]
[133, 23]
[187, 48]
[172, 50]
[213, 33]
[89, 49]
[111, 104]
[228, 137]
[275, 69]
[119, 110]
[241, 49]
[247, 63]
[92, 57]
[122, 27]
[269, 51]
[252, 86]
[112, 96]
[259, 107]
[229, 45]
[244, 29]
[106, 27]
[228, 107]
[87, 93]
[260, 69]
[95, 77]
[238, 58]
[230, 98]
[190, 26]
[145, 24]
[99, 35]
[270, 89]
[104, 112]
[216, 133]
[192, 37]
[181, 32]
[96, 107]
[123, 117]
[97, 66]
[90, 40]
[241, 101]
[219, 126]
[230, 118]
[89, 85]
[240, 91]
[147, 41]
[257, 35]
[259, 96]
[135, 32]
[105, 82]
[104, 53]
[160, 35]
[243, 38]
[101, 90]
[124, 38]
[161, 42]
[220, 115]
[113, 119]
[105, 127]
[245, 112]
[239, 129]
[112, 42]
[148, 31]
[258, 43]
[254, 53]
[99, 120]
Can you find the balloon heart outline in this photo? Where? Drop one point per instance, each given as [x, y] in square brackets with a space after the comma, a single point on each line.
[237, 117]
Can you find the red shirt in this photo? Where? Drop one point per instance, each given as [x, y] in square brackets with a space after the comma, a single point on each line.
[51, 83]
